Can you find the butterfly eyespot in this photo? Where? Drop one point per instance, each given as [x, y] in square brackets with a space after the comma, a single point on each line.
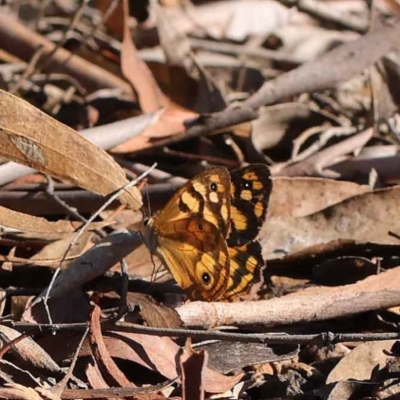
[213, 187]
[200, 227]
[206, 277]
[247, 185]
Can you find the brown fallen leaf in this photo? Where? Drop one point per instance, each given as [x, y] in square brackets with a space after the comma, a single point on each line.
[56, 251]
[20, 392]
[365, 218]
[301, 196]
[137, 73]
[169, 123]
[160, 354]
[192, 364]
[20, 224]
[154, 314]
[41, 142]
[109, 370]
[362, 361]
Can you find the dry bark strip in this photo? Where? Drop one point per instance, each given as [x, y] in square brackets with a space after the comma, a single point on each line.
[314, 304]
[326, 72]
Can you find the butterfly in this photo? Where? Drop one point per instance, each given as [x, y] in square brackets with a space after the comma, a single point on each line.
[206, 233]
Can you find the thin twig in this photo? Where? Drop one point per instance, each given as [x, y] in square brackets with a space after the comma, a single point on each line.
[270, 338]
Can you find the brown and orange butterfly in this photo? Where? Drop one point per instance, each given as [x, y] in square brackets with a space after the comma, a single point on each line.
[206, 234]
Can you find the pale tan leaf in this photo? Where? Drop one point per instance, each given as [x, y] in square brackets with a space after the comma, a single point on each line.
[20, 224]
[366, 218]
[32, 138]
[362, 361]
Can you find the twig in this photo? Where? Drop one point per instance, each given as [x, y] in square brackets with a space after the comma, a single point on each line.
[322, 11]
[270, 338]
[29, 70]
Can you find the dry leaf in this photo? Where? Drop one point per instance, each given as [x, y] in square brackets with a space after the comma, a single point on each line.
[366, 218]
[154, 314]
[192, 364]
[298, 197]
[137, 73]
[361, 363]
[15, 223]
[39, 141]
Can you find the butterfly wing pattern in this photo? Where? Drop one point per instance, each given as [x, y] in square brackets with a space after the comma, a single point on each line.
[251, 188]
[206, 233]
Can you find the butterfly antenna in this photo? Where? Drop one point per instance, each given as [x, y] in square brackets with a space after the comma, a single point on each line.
[148, 201]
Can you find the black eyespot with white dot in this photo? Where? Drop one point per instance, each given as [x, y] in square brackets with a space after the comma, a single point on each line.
[206, 277]
[213, 187]
[247, 185]
[200, 227]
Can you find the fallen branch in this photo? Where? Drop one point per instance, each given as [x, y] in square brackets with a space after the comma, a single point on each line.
[314, 304]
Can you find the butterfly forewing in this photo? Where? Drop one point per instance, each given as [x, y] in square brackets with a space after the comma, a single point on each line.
[250, 191]
[246, 265]
[207, 195]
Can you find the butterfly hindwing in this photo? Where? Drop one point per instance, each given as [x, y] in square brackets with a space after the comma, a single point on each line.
[197, 257]
[189, 234]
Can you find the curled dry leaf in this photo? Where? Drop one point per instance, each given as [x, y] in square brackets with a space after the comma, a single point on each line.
[2, 301]
[39, 141]
[154, 314]
[109, 370]
[192, 364]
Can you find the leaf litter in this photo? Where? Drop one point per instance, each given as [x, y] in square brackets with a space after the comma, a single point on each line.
[308, 88]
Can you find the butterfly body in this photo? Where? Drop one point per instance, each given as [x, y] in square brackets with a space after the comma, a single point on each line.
[205, 235]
